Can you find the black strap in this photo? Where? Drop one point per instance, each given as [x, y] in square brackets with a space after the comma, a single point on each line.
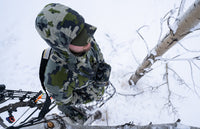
[45, 109]
[43, 64]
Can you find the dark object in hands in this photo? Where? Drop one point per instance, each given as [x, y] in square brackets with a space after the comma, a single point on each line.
[103, 74]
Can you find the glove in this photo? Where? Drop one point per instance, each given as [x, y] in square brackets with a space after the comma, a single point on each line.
[103, 74]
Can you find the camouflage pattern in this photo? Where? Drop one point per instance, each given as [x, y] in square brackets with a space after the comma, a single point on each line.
[70, 79]
[58, 25]
[73, 79]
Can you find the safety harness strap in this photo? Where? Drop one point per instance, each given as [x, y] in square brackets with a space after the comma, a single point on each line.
[43, 63]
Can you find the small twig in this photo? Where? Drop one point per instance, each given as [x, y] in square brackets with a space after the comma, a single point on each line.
[195, 64]
[192, 77]
[180, 59]
[143, 38]
[169, 103]
[168, 24]
[187, 49]
[162, 20]
[150, 88]
[169, 91]
[133, 95]
[167, 75]
[179, 78]
[165, 18]
[156, 87]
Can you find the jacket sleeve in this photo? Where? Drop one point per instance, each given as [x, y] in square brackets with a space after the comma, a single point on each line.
[103, 70]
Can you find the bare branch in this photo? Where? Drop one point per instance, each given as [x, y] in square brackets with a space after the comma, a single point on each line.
[157, 87]
[187, 49]
[143, 37]
[133, 95]
[183, 82]
[167, 75]
[188, 21]
[179, 59]
[165, 18]
[171, 107]
[192, 77]
[169, 103]
[195, 64]
[150, 88]
[172, 32]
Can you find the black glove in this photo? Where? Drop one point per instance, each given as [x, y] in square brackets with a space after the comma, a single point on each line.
[103, 74]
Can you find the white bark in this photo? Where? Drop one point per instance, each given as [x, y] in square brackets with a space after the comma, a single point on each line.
[183, 26]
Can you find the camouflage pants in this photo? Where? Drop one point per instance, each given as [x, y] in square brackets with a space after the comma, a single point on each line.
[77, 115]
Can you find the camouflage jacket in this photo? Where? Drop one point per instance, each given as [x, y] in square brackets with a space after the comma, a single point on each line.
[70, 78]
[65, 74]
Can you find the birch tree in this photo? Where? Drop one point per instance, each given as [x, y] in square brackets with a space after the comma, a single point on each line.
[181, 28]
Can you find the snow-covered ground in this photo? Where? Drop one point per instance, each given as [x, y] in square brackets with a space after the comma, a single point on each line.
[117, 22]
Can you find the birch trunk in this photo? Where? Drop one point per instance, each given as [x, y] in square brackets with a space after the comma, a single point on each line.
[184, 24]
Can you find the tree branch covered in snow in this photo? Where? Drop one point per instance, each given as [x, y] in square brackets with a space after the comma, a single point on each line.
[192, 77]
[181, 28]
[190, 62]
[146, 44]
[169, 103]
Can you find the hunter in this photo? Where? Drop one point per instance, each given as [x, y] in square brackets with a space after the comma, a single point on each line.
[76, 72]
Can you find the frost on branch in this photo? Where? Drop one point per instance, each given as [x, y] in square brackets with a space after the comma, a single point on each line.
[182, 27]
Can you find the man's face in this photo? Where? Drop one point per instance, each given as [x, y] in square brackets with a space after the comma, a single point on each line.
[79, 49]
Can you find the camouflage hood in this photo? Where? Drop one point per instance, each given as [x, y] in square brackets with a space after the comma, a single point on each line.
[59, 25]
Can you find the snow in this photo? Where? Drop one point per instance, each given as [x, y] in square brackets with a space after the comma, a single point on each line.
[117, 22]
